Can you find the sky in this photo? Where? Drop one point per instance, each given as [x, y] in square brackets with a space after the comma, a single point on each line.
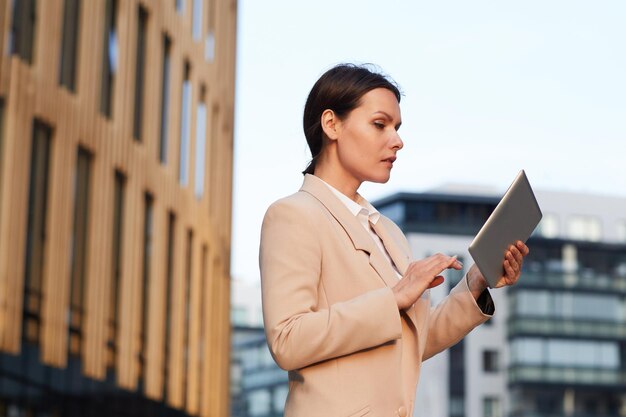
[489, 88]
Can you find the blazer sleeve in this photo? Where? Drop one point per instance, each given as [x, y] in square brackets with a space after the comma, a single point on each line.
[453, 318]
[298, 332]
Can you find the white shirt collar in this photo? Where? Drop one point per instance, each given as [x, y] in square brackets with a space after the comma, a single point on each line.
[362, 206]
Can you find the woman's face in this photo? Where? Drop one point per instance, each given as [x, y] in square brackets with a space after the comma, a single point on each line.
[368, 140]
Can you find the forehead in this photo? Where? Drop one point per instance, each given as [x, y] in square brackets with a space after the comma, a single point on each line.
[380, 99]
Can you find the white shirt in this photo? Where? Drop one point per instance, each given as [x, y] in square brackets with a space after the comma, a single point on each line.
[365, 214]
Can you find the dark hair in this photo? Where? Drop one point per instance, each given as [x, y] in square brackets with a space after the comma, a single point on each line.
[339, 89]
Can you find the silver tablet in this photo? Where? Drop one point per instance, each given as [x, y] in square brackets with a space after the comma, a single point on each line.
[514, 218]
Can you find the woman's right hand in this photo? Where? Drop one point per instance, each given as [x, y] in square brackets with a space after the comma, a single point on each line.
[421, 275]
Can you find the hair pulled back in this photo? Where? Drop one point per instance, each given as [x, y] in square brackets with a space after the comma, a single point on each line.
[339, 89]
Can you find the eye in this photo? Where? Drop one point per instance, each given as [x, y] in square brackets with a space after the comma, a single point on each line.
[379, 125]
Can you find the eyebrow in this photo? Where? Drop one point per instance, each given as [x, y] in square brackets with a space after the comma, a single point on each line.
[388, 117]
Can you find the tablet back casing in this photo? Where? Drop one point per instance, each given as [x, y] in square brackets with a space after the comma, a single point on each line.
[513, 219]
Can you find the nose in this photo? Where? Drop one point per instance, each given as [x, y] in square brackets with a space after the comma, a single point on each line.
[396, 142]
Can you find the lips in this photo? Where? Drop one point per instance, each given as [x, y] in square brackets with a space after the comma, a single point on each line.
[391, 159]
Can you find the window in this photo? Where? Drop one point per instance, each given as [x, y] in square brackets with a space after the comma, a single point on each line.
[188, 280]
[36, 231]
[491, 407]
[209, 41]
[23, 29]
[169, 270]
[79, 250]
[457, 406]
[395, 211]
[527, 351]
[621, 230]
[116, 254]
[196, 27]
[601, 263]
[565, 353]
[569, 259]
[280, 397]
[145, 288]
[584, 228]
[165, 99]
[140, 64]
[209, 47]
[603, 355]
[491, 363]
[185, 127]
[200, 150]
[239, 315]
[259, 402]
[456, 376]
[109, 58]
[71, 13]
[569, 305]
[549, 226]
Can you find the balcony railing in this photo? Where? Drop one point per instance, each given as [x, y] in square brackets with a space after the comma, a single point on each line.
[573, 376]
[573, 280]
[538, 414]
[523, 325]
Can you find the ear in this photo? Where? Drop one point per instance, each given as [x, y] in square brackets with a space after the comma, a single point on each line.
[330, 124]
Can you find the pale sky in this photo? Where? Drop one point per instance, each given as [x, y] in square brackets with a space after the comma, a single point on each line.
[489, 88]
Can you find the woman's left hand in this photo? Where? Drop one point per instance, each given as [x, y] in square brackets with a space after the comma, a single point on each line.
[512, 266]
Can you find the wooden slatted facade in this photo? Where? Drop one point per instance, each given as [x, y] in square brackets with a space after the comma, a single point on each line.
[31, 95]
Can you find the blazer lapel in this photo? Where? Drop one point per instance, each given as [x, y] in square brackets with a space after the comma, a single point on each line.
[358, 235]
[398, 256]
[400, 259]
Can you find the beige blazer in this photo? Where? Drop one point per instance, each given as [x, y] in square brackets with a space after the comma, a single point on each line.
[331, 319]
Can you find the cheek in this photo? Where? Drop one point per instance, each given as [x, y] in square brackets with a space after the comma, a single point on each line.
[361, 148]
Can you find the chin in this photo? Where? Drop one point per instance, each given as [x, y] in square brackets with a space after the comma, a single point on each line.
[380, 179]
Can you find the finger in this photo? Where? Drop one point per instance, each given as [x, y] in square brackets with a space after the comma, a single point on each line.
[435, 282]
[436, 260]
[516, 254]
[458, 265]
[451, 262]
[512, 261]
[455, 263]
[510, 272]
[521, 246]
[436, 263]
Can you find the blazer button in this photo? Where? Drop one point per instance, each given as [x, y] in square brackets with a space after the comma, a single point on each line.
[402, 411]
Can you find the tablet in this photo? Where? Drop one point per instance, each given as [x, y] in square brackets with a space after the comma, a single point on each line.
[514, 218]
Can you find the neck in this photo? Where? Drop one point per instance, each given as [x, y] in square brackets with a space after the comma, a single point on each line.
[345, 184]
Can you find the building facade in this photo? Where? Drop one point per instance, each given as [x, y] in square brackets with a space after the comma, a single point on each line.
[116, 142]
[557, 343]
[259, 387]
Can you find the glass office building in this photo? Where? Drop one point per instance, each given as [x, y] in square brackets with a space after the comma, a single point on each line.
[116, 149]
[258, 386]
[556, 345]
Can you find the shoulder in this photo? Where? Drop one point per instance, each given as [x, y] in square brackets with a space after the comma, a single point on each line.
[297, 202]
[290, 223]
[298, 207]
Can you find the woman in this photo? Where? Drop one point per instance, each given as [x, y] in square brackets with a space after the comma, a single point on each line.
[346, 310]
